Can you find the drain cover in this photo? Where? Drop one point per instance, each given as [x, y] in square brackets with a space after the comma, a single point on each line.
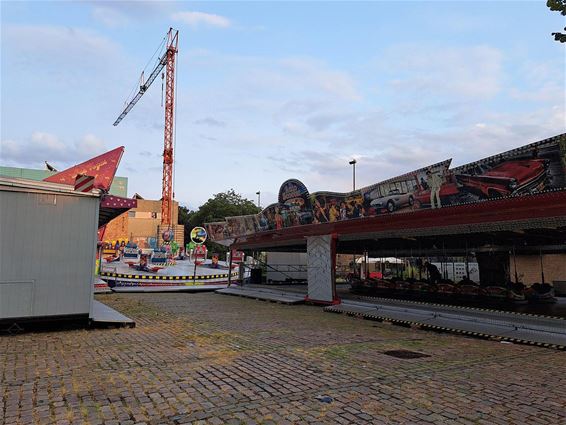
[405, 354]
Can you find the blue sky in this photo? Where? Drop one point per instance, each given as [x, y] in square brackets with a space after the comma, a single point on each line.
[271, 91]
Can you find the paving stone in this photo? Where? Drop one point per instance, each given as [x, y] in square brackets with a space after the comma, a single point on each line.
[211, 359]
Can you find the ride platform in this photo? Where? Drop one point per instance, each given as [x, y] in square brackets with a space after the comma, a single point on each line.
[502, 325]
[282, 297]
[181, 276]
[102, 316]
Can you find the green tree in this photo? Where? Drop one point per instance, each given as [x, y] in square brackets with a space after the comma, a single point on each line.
[217, 208]
[558, 6]
[184, 217]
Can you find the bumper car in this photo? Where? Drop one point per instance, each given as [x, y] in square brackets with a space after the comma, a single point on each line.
[420, 287]
[540, 293]
[467, 289]
[380, 285]
[358, 286]
[516, 293]
[494, 292]
[445, 288]
[401, 286]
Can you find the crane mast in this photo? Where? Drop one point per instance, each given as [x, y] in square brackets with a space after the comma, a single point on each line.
[167, 61]
[167, 183]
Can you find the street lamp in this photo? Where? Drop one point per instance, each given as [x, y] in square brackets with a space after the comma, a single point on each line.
[258, 193]
[353, 164]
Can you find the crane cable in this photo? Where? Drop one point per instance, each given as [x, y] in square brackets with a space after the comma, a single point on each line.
[162, 77]
[137, 85]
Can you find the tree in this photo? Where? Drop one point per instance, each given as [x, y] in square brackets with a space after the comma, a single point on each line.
[558, 6]
[184, 218]
[217, 208]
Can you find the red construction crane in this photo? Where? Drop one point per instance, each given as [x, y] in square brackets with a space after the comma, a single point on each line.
[168, 60]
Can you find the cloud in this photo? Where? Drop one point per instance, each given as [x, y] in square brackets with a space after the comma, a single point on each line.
[90, 145]
[211, 122]
[550, 91]
[290, 78]
[197, 19]
[466, 71]
[319, 75]
[68, 56]
[109, 17]
[540, 82]
[71, 42]
[302, 76]
[42, 146]
[331, 171]
[115, 14]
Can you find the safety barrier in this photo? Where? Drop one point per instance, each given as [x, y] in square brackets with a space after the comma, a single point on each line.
[157, 277]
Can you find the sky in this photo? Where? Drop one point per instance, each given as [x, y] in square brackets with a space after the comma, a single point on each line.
[268, 91]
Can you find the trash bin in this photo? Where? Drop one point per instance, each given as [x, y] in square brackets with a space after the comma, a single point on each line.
[255, 276]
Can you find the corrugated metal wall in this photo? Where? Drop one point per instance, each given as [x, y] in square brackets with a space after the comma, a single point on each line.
[47, 254]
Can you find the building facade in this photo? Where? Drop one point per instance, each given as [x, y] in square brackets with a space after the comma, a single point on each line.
[142, 225]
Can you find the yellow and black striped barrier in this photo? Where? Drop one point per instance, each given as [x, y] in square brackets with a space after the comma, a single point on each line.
[158, 277]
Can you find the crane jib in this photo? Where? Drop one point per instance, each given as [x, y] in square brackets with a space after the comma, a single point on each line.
[143, 88]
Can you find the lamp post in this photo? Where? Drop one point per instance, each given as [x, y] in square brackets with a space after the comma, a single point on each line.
[258, 193]
[353, 164]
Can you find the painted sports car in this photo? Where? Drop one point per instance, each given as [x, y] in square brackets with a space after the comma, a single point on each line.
[393, 200]
[509, 177]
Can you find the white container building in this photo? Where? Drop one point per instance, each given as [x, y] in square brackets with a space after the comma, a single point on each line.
[48, 237]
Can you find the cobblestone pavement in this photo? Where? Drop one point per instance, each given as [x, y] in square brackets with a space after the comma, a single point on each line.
[214, 359]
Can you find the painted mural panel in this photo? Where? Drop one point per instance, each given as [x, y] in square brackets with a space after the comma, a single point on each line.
[533, 168]
[409, 191]
[217, 231]
[529, 169]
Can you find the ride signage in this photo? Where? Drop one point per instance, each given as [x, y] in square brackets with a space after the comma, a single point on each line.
[198, 235]
[524, 171]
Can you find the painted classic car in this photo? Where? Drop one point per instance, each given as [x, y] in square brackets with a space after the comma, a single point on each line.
[509, 177]
[393, 200]
[448, 193]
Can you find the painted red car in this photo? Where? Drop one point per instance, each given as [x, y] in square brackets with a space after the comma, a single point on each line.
[509, 177]
[448, 193]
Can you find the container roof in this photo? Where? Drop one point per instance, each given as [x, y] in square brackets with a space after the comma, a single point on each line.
[13, 184]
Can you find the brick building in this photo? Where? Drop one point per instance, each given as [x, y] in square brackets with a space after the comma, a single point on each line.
[142, 225]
